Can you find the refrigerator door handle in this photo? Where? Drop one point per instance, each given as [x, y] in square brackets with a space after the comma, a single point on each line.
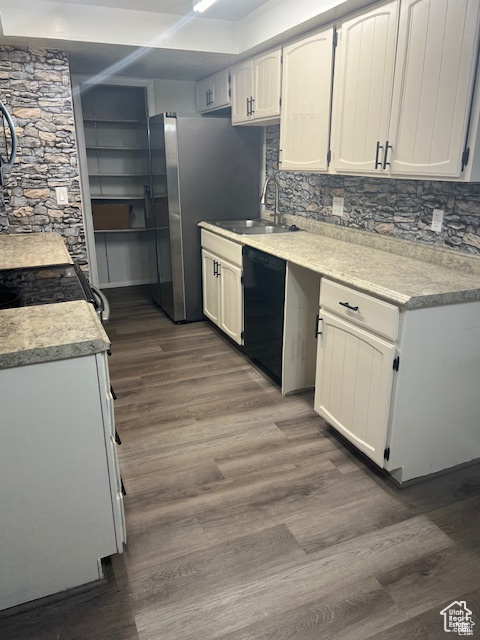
[147, 201]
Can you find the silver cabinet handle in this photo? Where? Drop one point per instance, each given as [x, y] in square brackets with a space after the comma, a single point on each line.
[377, 154]
[387, 147]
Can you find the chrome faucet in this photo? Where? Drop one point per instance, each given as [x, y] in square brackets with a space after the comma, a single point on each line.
[276, 212]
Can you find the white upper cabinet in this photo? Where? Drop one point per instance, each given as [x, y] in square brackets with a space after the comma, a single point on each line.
[403, 89]
[306, 94]
[434, 77]
[256, 87]
[242, 89]
[363, 89]
[267, 74]
[213, 92]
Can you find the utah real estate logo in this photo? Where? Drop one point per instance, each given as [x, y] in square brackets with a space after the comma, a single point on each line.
[457, 618]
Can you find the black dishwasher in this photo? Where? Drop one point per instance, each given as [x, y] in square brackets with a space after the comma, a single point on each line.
[264, 296]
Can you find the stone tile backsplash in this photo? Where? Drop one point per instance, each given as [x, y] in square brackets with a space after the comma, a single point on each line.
[35, 87]
[398, 208]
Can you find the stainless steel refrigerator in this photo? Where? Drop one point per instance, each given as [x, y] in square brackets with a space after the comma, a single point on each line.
[202, 168]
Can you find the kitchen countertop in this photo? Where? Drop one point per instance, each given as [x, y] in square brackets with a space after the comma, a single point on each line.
[43, 333]
[29, 335]
[403, 281]
[21, 251]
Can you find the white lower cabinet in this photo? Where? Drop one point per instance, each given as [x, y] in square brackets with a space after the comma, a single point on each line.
[231, 300]
[355, 366]
[401, 386]
[60, 486]
[211, 290]
[222, 284]
[354, 384]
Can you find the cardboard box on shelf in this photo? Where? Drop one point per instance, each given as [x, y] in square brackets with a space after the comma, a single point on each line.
[111, 216]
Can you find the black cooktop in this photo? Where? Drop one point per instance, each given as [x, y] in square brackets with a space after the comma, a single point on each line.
[42, 285]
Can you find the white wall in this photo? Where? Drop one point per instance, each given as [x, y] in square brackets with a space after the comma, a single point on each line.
[85, 23]
[174, 95]
[54, 19]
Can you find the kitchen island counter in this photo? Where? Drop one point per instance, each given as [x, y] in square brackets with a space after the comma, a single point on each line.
[405, 281]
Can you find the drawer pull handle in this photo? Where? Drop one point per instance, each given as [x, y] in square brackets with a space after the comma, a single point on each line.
[349, 306]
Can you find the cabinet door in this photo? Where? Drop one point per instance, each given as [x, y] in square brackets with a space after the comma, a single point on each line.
[213, 92]
[231, 301]
[435, 69]
[354, 384]
[267, 73]
[305, 119]
[201, 95]
[220, 89]
[363, 89]
[211, 306]
[242, 91]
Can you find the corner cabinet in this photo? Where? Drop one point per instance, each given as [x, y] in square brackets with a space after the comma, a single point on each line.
[222, 284]
[403, 88]
[306, 96]
[402, 386]
[213, 92]
[256, 89]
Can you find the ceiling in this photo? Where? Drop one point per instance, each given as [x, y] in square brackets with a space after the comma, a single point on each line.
[145, 63]
[92, 58]
[161, 38]
[232, 10]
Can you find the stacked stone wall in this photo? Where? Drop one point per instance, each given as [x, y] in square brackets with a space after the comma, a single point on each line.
[400, 208]
[35, 87]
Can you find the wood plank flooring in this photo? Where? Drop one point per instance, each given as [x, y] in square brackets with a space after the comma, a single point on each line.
[250, 519]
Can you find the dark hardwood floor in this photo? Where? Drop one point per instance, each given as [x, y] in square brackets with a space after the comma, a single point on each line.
[248, 518]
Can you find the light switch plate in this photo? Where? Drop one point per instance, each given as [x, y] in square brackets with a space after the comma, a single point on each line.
[62, 195]
[437, 220]
[337, 206]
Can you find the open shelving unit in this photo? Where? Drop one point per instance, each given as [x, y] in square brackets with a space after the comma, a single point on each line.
[118, 162]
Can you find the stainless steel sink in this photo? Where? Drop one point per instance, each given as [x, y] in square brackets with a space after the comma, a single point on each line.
[260, 229]
[250, 227]
[228, 224]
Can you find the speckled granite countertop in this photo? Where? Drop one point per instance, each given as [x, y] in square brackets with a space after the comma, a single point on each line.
[20, 251]
[29, 335]
[404, 281]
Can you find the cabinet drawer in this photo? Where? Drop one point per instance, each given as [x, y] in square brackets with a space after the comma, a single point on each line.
[222, 247]
[364, 310]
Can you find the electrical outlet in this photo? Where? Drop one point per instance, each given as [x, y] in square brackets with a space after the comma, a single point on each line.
[437, 220]
[337, 206]
[62, 195]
